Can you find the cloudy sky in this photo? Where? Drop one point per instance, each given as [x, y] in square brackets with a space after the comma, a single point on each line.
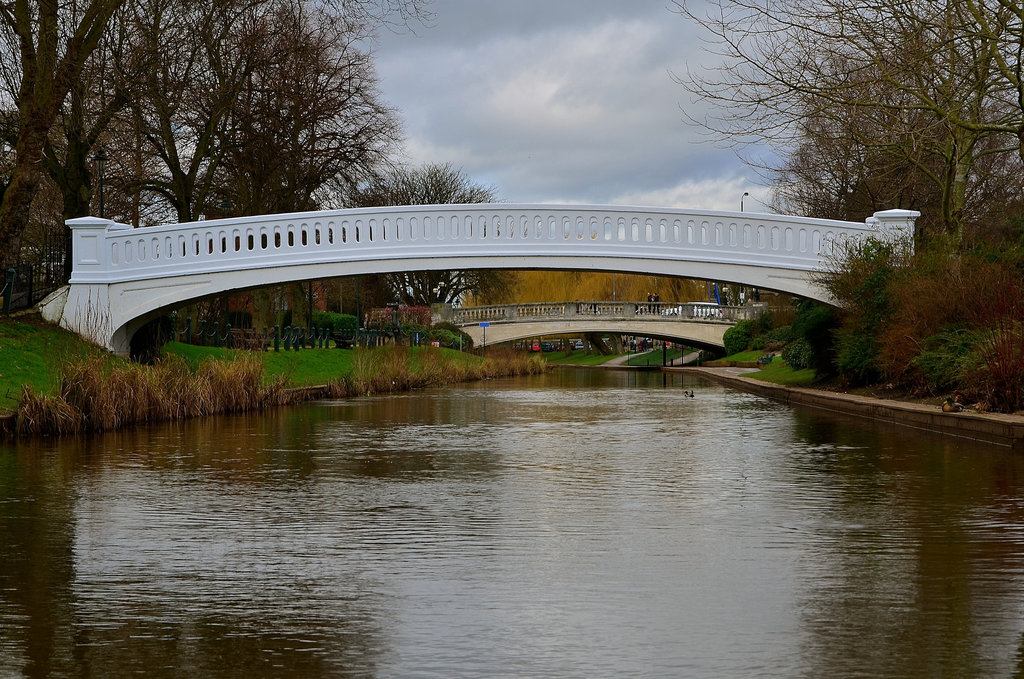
[561, 101]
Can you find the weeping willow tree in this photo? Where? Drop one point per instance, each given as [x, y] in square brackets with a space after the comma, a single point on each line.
[548, 286]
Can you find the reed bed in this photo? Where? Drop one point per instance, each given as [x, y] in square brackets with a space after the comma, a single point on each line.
[93, 395]
[396, 369]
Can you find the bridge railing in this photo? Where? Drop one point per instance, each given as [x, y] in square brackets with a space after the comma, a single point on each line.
[107, 252]
[662, 311]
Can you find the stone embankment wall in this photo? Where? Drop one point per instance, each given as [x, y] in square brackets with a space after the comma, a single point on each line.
[995, 428]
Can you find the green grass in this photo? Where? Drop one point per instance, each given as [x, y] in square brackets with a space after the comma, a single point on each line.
[575, 358]
[780, 373]
[744, 356]
[303, 368]
[30, 354]
[653, 358]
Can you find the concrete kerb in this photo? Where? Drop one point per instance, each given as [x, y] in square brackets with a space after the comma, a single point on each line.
[994, 428]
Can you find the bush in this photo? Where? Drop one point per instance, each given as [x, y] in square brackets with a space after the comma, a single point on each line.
[783, 335]
[996, 374]
[457, 333]
[336, 322]
[816, 323]
[737, 338]
[419, 315]
[798, 354]
[411, 330]
[857, 355]
[773, 340]
[943, 362]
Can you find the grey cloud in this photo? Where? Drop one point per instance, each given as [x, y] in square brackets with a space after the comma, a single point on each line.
[549, 101]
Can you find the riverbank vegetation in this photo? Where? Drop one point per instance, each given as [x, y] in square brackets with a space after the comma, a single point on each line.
[923, 115]
[930, 324]
[55, 383]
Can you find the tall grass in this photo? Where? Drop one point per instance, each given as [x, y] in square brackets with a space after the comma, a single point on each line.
[93, 395]
[395, 369]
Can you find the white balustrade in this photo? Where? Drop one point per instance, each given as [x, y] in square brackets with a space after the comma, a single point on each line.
[122, 276]
[108, 252]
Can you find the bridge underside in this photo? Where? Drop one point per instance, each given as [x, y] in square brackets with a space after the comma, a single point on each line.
[132, 304]
[700, 334]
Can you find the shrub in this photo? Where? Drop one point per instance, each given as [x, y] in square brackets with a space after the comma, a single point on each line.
[816, 323]
[773, 340]
[943, 361]
[857, 354]
[737, 338]
[411, 330]
[798, 354]
[336, 322]
[782, 335]
[419, 315]
[457, 332]
[996, 377]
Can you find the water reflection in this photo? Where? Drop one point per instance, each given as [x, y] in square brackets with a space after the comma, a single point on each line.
[577, 524]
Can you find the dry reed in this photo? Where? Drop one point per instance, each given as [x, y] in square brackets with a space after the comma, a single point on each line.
[395, 369]
[92, 395]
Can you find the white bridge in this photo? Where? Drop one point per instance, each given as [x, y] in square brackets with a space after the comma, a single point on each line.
[124, 277]
[695, 324]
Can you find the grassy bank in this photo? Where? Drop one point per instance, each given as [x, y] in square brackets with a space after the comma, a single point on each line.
[56, 383]
[575, 358]
[31, 353]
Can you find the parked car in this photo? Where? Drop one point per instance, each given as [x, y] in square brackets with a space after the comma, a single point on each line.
[578, 345]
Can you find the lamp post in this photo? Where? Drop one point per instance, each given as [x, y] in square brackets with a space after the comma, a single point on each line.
[101, 159]
[745, 194]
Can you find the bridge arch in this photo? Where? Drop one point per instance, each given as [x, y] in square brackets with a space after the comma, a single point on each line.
[694, 324]
[122, 277]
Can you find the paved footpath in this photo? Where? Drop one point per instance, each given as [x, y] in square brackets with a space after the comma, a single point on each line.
[996, 428]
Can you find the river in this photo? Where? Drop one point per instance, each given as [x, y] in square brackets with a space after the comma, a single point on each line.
[577, 524]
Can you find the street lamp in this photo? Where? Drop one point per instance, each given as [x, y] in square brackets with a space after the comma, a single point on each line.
[745, 194]
[101, 159]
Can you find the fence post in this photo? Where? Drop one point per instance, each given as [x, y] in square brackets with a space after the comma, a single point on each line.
[8, 291]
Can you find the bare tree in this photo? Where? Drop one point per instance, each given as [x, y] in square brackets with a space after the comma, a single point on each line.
[309, 117]
[44, 46]
[920, 82]
[193, 61]
[431, 184]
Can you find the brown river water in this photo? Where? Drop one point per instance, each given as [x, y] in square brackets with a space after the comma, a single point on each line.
[578, 524]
